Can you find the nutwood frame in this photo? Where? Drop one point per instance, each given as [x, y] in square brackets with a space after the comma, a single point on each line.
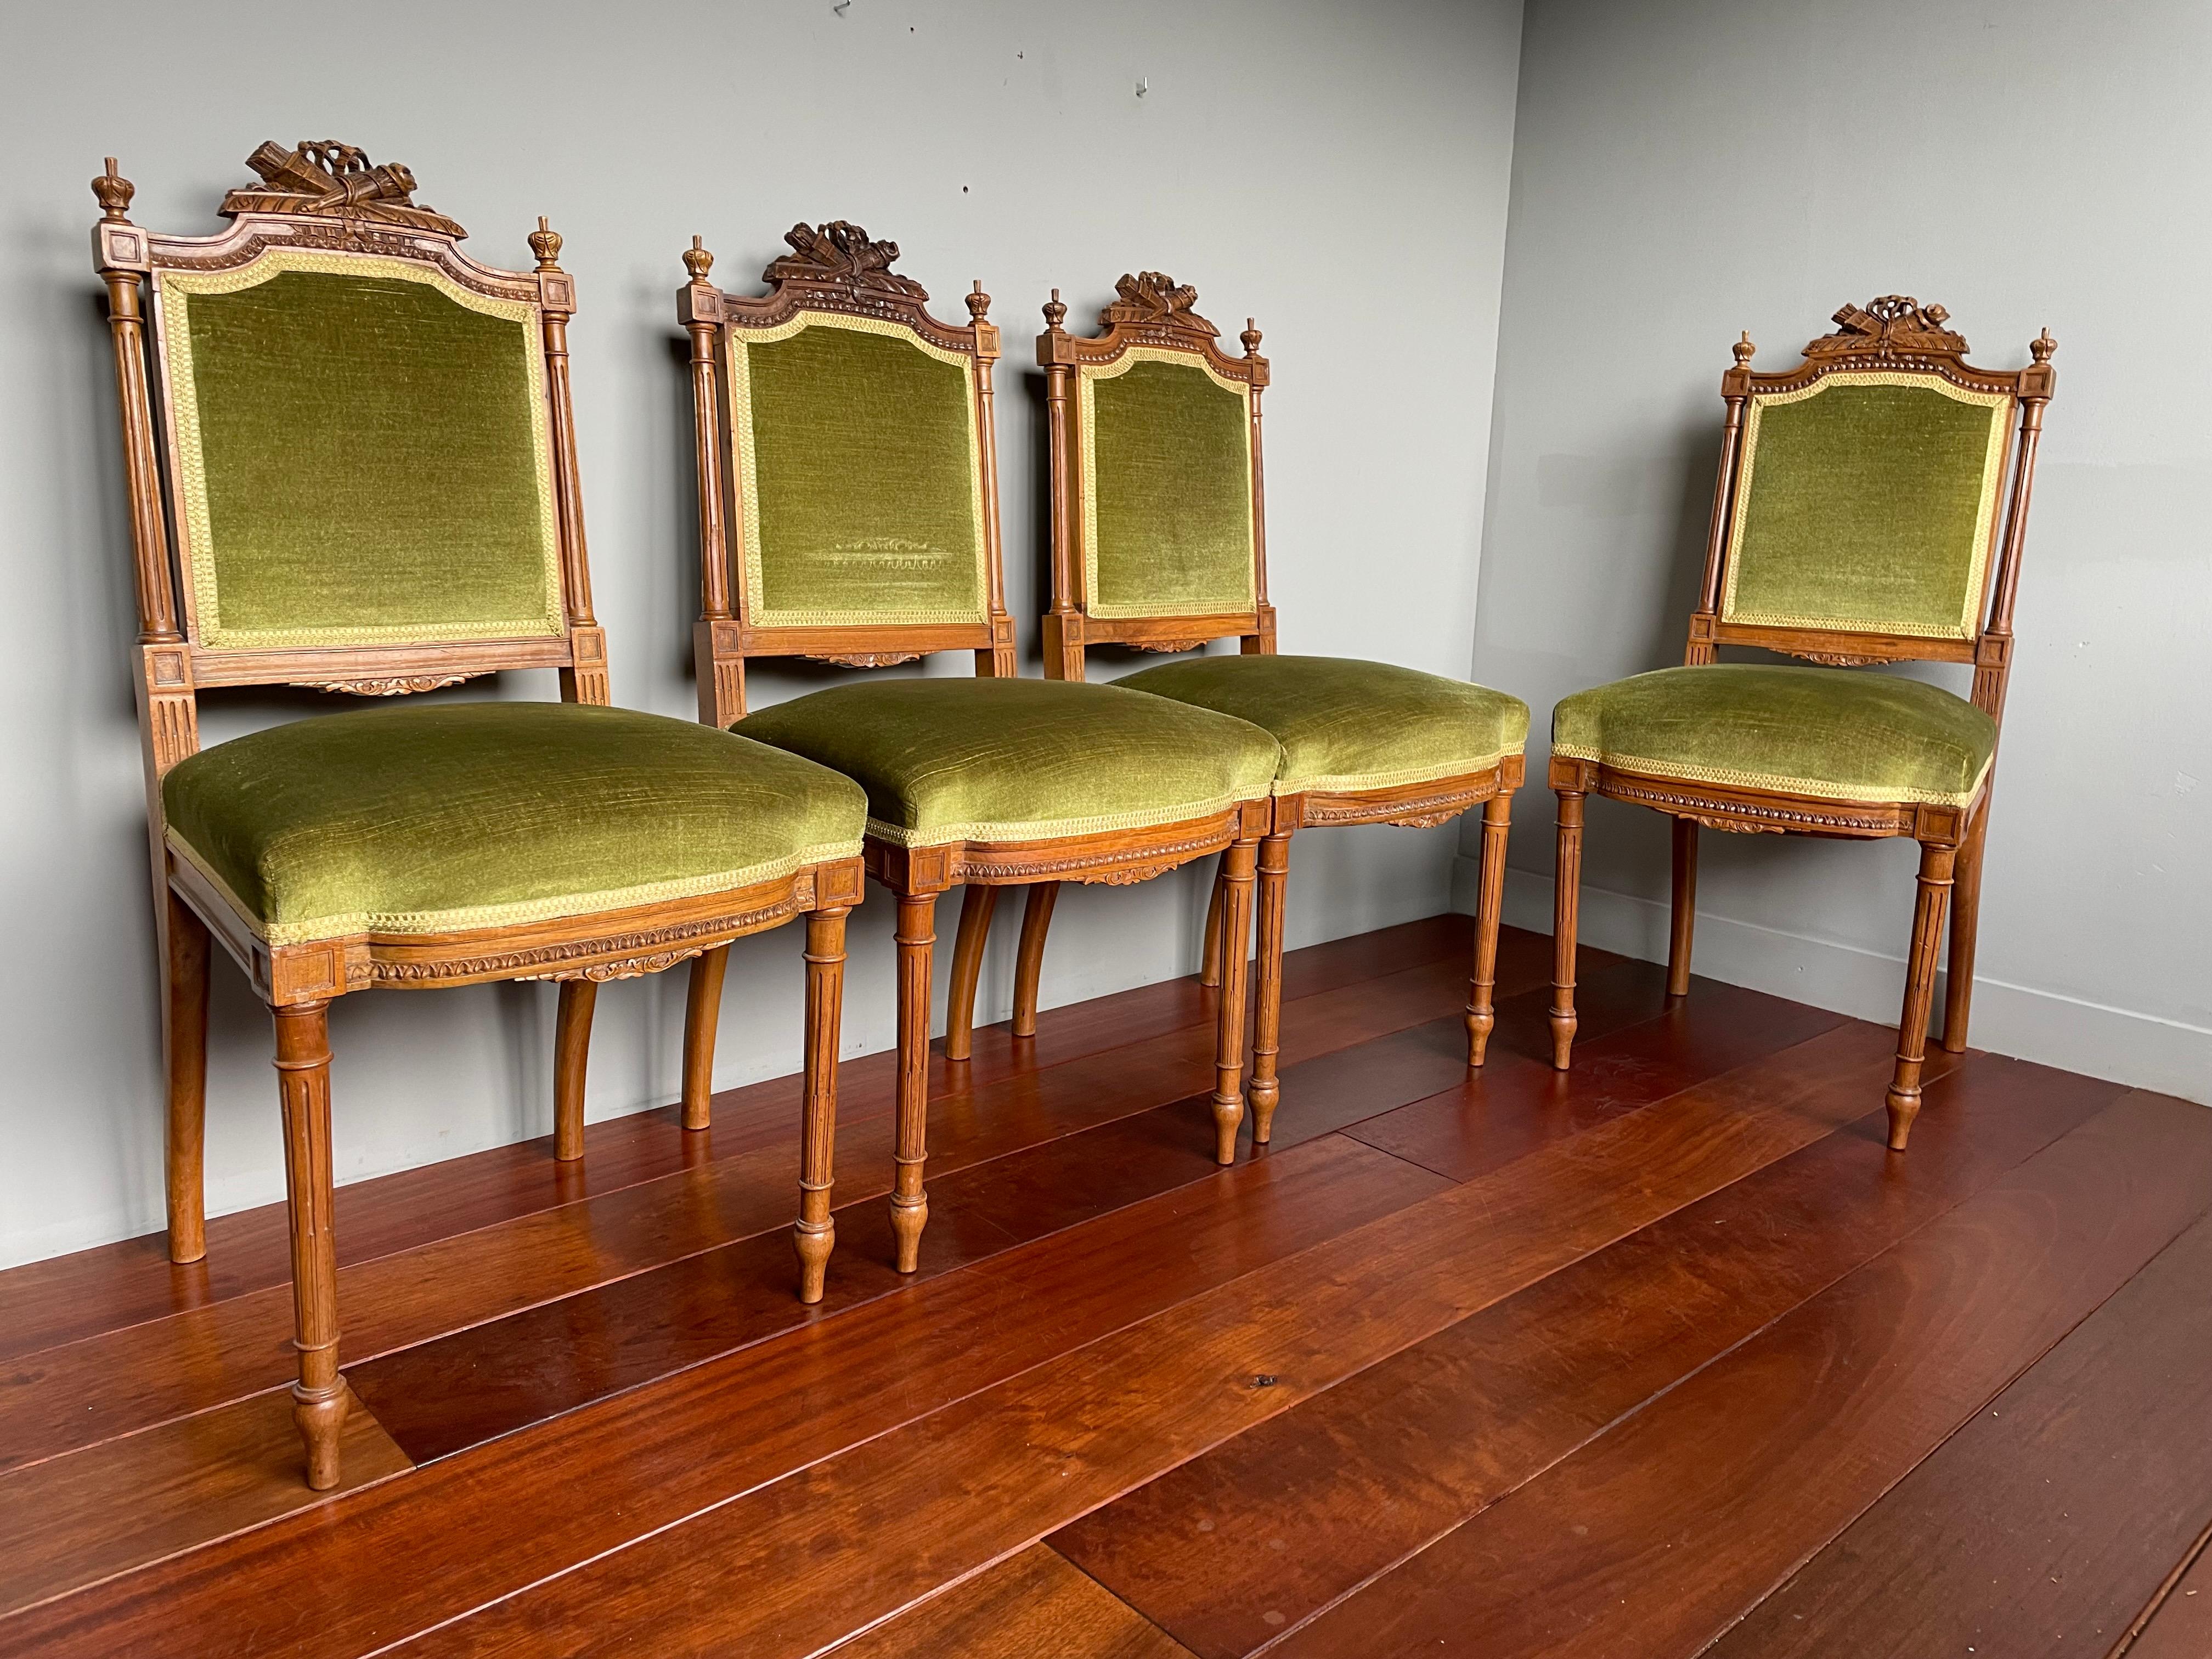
[328, 197]
[836, 269]
[1893, 332]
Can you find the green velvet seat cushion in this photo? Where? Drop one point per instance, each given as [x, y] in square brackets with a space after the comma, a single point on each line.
[1867, 502]
[1839, 734]
[1167, 490]
[363, 456]
[1346, 725]
[947, 760]
[445, 817]
[861, 476]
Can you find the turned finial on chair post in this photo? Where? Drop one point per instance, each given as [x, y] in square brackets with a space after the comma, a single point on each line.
[114, 192]
[2040, 348]
[1055, 313]
[1744, 351]
[545, 243]
[979, 303]
[697, 260]
[1251, 337]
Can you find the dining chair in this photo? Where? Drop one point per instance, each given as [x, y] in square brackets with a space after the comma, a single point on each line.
[848, 513]
[1159, 544]
[1871, 508]
[351, 467]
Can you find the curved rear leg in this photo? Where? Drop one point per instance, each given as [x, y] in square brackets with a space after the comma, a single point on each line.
[1028, 963]
[703, 1014]
[978, 904]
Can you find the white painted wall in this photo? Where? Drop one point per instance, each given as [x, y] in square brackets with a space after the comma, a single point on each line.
[1339, 172]
[1686, 170]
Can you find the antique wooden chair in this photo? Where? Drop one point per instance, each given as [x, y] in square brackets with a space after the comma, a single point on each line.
[369, 487]
[848, 513]
[1855, 520]
[1158, 542]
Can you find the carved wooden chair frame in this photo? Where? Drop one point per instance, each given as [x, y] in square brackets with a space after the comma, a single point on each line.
[1152, 313]
[1893, 333]
[836, 269]
[328, 198]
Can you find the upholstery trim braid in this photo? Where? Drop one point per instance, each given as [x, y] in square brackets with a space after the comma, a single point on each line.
[470, 917]
[758, 613]
[1243, 595]
[1028, 830]
[1964, 624]
[1729, 778]
[1350, 783]
[196, 533]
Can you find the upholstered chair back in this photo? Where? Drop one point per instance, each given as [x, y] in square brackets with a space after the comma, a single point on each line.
[860, 478]
[1867, 501]
[362, 454]
[1167, 526]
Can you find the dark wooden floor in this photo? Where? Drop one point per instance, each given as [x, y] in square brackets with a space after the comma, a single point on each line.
[1664, 1356]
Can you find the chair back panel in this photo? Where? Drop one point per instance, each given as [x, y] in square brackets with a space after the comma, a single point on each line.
[361, 455]
[1867, 501]
[1167, 524]
[860, 475]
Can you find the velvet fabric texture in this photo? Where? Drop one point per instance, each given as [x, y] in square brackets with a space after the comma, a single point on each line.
[365, 457]
[862, 478]
[1346, 725]
[945, 760]
[1842, 733]
[1168, 492]
[456, 816]
[1868, 505]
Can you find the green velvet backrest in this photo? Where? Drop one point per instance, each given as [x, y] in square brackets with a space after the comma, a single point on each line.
[860, 476]
[362, 456]
[1167, 488]
[1866, 502]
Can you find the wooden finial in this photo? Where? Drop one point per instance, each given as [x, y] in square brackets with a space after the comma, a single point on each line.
[1054, 312]
[697, 260]
[545, 243]
[1744, 351]
[1251, 338]
[2042, 346]
[113, 192]
[979, 303]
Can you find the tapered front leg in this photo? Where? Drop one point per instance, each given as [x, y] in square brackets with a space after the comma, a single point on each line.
[1566, 915]
[1685, 913]
[917, 938]
[1490, 902]
[977, 905]
[1936, 863]
[703, 1014]
[1230, 1015]
[571, 1050]
[303, 1079]
[1209, 953]
[186, 1141]
[1268, 1022]
[1029, 961]
[815, 1235]
[1966, 922]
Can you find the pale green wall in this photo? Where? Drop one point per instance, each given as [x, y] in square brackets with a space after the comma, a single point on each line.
[1682, 170]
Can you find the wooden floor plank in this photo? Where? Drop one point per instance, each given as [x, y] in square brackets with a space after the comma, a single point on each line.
[1658, 1535]
[46, 1303]
[1369, 1471]
[122, 1381]
[843, 1543]
[411, 1553]
[2050, 1520]
[1482, 1120]
[73, 1521]
[1029, 1606]
[2180, 1625]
